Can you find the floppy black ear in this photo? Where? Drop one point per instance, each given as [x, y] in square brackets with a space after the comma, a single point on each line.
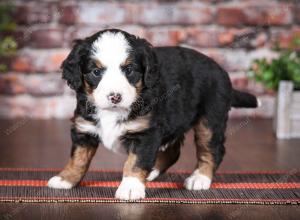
[151, 74]
[71, 66]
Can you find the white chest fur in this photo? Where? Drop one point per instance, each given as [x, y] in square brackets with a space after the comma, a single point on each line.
[111, 126]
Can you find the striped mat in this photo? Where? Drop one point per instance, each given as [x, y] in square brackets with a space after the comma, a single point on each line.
[99, 186]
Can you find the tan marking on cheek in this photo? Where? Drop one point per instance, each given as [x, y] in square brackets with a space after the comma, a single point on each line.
[130, 169]
[78, 164]
[87, 88]
[205, 158]
[138, 87]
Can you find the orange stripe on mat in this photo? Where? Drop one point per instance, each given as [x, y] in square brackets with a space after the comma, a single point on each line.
[168, 185]
[9, 169]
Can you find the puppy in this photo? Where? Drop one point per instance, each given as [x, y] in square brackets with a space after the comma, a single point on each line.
[141, 100]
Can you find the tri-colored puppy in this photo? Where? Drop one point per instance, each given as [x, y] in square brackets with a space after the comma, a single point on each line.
[141, 100]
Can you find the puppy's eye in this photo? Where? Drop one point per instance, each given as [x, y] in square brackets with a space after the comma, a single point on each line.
[128, 69]
[98, 72]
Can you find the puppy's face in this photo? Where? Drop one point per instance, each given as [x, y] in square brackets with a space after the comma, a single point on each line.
[111, 67]
[111, 73]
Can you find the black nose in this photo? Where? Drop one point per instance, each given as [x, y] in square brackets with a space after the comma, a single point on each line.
[115, 98]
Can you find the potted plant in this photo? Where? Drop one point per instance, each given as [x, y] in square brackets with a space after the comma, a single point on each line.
[282, 75]
[8, 45]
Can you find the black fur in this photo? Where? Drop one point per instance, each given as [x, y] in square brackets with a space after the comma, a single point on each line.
[83, 140]
[180, 87]
[197, 87]
[243, 99]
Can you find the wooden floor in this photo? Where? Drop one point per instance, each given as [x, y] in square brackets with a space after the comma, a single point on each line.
[43, 144]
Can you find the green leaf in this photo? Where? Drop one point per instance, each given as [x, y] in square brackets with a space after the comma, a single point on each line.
[8, 46]
[285, 67]
[3, 67]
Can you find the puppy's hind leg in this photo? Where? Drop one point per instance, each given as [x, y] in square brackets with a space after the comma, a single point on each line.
[210, 151]
[166, 157]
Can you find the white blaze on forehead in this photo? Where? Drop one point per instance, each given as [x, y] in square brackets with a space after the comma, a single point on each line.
[111, 48]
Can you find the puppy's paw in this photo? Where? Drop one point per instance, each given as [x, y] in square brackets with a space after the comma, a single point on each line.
[131, 188]
[197, 181]
[57, 182]
[153, 175]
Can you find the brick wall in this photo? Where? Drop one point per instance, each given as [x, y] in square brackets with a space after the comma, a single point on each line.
[231, 32]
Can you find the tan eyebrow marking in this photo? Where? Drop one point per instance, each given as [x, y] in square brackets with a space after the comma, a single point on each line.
[127, 62]
[99, 64]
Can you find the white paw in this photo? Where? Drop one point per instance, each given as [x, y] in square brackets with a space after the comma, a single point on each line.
[57, 182]
[197, 181]
[131, 188]
[153, 174]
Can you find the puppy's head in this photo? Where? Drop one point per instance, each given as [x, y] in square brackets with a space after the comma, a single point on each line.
[112, 67]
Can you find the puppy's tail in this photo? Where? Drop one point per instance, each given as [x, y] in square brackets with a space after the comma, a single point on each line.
[244, 100]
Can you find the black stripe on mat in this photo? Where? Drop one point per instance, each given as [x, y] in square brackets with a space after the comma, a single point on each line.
[179, 194]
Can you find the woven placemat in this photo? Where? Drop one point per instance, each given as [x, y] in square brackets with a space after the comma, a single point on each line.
[275, 187]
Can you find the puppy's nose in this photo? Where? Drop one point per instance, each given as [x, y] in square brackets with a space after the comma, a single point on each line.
[114, 98]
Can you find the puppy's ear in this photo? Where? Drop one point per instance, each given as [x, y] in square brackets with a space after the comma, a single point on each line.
[71, 66]
[151, 74]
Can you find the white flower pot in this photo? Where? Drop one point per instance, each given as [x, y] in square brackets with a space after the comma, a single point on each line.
[287, 115]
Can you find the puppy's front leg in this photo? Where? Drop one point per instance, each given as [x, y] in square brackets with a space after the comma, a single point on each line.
[132, 186]
[83, 149]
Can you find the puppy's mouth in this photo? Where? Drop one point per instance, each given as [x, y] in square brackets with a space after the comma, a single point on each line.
[115, 107]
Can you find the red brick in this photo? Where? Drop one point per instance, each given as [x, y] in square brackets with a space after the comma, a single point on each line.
[243, 38]
[47, 38]
[297, 14]
[269, 14]
[231, 16]
[85, 31]
[240, 83]
[285, 38]
[234, 60]
[29, 60]
[33, 84]
[33, 12]
[229, 37]
[21, 64]
[251, 13]
[68, 14]
[202, 37]
[25, 106]
[214, 1]
[230, 60]
[134, 29]
[178, 13]
[165, 36]
[103, 13]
